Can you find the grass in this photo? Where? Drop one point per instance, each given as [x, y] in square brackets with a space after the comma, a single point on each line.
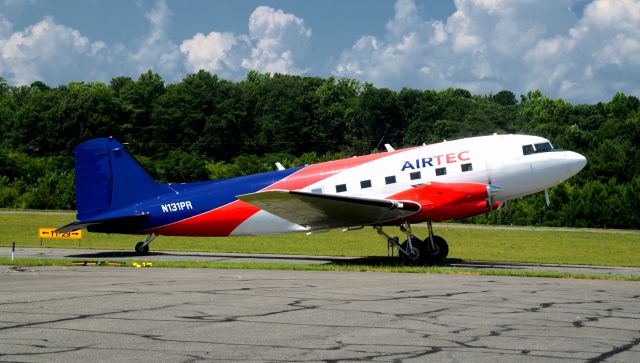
[607, 249]
[326, 267]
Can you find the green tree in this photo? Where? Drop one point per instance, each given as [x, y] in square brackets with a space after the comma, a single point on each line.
[505, 98]
[136, 101]
[333, 111]
[377, 120]
[181, 167]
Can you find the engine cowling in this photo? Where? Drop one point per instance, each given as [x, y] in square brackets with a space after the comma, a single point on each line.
[443, 201]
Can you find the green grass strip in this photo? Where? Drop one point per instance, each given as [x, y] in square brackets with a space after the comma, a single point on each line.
[26, 262]
[532, 246]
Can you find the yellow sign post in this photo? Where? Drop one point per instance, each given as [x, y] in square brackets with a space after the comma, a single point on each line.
[47, 232]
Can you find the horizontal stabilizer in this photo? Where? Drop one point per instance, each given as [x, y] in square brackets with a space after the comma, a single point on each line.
[322, 211]
[116, 224]
[73, 226]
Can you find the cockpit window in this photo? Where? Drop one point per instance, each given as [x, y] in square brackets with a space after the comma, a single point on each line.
[542, 147]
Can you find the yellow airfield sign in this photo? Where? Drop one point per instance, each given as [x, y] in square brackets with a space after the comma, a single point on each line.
[46, 232]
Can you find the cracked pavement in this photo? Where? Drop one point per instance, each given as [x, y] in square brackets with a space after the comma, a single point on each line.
[61, 314]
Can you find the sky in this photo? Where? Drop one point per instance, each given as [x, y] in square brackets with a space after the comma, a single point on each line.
[583, 51]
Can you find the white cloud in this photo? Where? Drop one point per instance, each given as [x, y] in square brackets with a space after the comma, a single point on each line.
[56, 54]
[484, 46]
[211, 52]
[404, 48]
[599, 55]
[157, 52]
[46, 51]
[5, 26]
[489, 45]
[275, 43]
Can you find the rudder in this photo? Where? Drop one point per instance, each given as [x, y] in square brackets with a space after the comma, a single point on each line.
[108, 177]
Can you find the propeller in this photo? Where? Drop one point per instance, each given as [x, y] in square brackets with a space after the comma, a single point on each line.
[491, 190]
[546, 197]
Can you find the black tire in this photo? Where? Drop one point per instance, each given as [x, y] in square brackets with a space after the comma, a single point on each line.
[440, 253]
[419, 257]
[141, 250]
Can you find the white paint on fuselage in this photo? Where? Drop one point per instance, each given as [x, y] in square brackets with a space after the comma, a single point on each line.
[263, 223]
[497, 159]
[475, 153]
[520, 174]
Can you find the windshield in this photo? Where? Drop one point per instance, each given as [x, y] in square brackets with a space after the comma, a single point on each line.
[537, 148]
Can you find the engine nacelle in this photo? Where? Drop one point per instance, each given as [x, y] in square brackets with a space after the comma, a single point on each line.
[443, 201]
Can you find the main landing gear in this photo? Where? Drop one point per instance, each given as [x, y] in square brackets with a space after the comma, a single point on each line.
[414, 251]
[142, 247]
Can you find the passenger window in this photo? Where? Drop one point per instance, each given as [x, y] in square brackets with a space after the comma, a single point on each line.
[527, 149]
[317, 191]
[441, 171]
[365, 184]
[341, 188]
[415, 175]
[466, 167]
[390, 179]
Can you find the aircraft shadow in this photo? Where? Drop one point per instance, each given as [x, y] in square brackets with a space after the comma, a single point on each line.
[383, 261]
[203, 257]
[355, 261]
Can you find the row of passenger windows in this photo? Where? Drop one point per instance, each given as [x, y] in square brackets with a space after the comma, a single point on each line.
[364, 184]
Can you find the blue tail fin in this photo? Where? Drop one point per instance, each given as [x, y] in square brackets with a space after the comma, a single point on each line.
[108, 178]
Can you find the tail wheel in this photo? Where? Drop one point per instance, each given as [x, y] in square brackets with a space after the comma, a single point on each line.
[141, 249]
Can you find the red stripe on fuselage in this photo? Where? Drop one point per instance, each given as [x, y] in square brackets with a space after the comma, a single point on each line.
[317, 172]
[218, 222]
[222, 221]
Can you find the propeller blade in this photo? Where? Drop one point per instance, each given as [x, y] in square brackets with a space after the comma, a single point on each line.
[546, 197]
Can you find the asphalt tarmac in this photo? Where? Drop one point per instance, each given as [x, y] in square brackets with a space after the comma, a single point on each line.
[62, 314]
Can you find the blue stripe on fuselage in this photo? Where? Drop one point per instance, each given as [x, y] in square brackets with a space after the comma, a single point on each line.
[204, 196]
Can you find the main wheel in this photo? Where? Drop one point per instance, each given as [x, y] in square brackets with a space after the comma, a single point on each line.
[418, 253]
[440, 251]
[140, 250]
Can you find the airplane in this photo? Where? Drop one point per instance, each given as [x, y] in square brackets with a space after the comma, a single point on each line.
[428, 183]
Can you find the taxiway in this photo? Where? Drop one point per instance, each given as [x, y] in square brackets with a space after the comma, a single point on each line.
[62, 314]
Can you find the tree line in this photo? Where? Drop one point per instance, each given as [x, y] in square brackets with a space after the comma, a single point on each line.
[205, 127]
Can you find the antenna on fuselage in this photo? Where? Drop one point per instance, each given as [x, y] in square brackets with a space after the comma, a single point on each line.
[389, 147]
[279, 166]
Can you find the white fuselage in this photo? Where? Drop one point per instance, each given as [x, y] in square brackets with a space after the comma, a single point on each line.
[517, 165]
[496, 160]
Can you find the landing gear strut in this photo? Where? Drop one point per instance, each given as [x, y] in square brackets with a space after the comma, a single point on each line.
[142, 247]
[414, 251]
[438, 247]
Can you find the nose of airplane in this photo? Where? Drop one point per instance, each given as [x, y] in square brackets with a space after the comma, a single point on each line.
[574, 162]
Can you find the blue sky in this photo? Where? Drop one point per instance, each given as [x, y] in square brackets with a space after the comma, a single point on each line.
[579, 50]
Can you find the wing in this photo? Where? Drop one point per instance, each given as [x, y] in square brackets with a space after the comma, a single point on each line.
[322, 211]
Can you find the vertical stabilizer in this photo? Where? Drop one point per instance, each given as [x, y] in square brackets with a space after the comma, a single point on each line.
[108, 177]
